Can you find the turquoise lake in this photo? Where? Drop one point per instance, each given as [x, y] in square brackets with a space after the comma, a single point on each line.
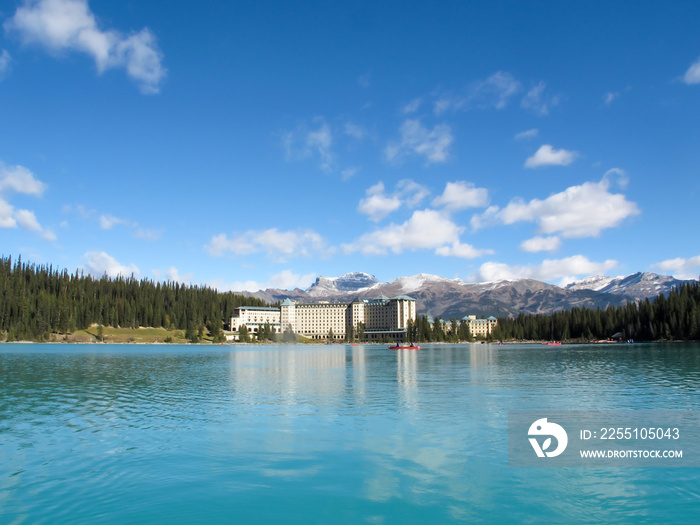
[324, 434]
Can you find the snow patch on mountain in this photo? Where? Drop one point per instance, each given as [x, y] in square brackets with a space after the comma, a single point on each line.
[345, 284]
[416, 282]
[595, 282]
[639, 285]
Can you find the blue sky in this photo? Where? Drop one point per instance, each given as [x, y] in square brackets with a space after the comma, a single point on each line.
[244, 145]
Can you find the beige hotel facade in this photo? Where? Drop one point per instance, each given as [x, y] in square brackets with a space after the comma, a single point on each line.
[382, 318]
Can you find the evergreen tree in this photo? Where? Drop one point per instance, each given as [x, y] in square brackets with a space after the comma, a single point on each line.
[243, 336]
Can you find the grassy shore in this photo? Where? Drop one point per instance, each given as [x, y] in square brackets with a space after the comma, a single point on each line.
[123, 335]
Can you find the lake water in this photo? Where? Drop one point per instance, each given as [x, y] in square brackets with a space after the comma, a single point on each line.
[324, 434]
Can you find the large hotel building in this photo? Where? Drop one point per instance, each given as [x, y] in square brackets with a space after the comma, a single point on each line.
[382, 318]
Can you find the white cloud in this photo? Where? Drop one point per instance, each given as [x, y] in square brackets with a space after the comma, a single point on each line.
[100, 263]
[616, 175]
[147, 234]
[610, 97]
[320, 141]
[7, 212]
[303, 143]
[107, 222]
[276, 244]
[62, 25]
[349, 172]
[493, 92]
[28, 222]
[692, 76]
[285, 280]
[355, 131]
[425, 230]
[549, 270]
[541, 244]
[578, 211]
[18, 179]
[288, 280]
[461, 195]
[526, 135]
[680, 267]
[463, 251]
[412, 106]
[418, 140]
[172, 274]
[411, 192]
[5, 60]
[548, 156]
[496, 90]
[377, 204]
[537, 101]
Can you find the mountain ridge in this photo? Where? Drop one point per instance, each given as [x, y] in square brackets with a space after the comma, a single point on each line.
[446, 298]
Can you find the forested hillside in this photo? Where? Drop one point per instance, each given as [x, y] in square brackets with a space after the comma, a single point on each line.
[36, 301]
[676, 317]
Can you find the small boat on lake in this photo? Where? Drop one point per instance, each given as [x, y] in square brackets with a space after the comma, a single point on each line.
[409, 346]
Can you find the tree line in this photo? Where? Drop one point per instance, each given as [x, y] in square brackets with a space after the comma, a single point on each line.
[37, 301]
[676, 317]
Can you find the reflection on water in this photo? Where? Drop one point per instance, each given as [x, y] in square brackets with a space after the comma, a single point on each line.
[325, 433]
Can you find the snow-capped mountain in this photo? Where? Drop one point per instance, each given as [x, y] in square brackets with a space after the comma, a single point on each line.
[452, 298]
[349, 283]
[637, 286]
[595, 282]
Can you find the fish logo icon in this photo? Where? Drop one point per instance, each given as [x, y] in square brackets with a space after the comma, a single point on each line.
[542, 427]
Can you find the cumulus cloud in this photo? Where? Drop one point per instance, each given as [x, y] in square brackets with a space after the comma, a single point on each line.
[549, 270]
[378, 204]
[276, 244]
[541, 244]
[28, 222]
[418, 140]
[18, 179]
[692, 76]
[70, 25]
[7, 211]
[548, 156]
[461, 195]
[680, 268]
[538, 101]
[99, 263]
[578, 211]
[424, 230]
